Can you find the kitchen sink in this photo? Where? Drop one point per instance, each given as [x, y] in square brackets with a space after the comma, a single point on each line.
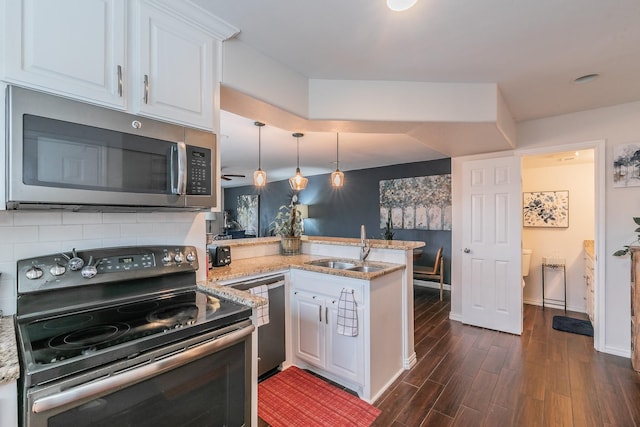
[338, 265]
[366, 268]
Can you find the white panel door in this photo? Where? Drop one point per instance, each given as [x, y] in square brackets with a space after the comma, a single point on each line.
[71, 47]
[491, 275]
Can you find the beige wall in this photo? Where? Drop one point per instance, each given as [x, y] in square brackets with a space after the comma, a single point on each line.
[566, 243]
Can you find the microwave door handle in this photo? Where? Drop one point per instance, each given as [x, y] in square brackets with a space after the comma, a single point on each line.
[179, 180]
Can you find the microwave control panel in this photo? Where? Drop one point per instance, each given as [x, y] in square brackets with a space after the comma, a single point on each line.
[199, 171]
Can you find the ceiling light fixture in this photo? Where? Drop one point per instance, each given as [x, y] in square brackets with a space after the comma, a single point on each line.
[259, 176]
[298, 182]
[337, 177]
[400, 5]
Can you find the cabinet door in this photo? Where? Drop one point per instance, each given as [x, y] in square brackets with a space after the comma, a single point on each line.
[308, 328]
[345, 355]
[70, 47]
[175, 77]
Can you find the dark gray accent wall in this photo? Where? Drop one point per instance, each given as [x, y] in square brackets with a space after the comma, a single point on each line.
[340, 212]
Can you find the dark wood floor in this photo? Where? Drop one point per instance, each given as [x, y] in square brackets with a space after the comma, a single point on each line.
[467, 376]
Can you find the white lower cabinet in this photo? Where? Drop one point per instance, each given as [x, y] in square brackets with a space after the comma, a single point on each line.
[316, 338]
[8, 403]
[366, 363]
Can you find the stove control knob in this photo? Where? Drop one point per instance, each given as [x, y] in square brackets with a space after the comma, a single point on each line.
[57, 270]
[178, 258]
[191, 257]
[34, 273]
[166, 258]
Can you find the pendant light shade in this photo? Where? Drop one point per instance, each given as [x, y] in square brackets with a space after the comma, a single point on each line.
[337, 177]
[298, 182]
[259, 176]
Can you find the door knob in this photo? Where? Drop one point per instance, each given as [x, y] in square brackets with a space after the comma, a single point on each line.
[467, 250]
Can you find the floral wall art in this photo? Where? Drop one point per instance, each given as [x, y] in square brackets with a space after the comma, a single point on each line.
[420, 203]
[626, 165]
[546, 209]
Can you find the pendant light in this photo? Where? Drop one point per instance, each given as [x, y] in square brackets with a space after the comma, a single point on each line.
[259, 176]
[337, 177]
[298, 182]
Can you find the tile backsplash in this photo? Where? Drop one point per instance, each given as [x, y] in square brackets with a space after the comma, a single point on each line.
[29, 234]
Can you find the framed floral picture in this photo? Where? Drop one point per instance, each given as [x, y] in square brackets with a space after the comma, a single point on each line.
[546, 209]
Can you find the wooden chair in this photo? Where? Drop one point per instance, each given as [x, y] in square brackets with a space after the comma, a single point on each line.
[435, 273]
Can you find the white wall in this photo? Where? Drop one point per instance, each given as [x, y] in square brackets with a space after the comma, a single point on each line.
[30, 234]
[617, 125]
[566, 243]
[251, 72]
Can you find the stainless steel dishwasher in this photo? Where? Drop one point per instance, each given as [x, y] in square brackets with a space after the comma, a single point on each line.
[271, 346]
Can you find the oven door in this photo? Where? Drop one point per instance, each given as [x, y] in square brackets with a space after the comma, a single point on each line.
[200, 382]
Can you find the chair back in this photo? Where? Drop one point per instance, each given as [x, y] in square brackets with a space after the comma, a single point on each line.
[437, 262]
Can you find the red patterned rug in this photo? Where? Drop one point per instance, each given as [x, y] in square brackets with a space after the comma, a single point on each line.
[295, 398]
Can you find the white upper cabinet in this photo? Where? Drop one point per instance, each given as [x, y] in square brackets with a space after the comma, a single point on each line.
[174, 68]
[75, 48]
[157, 58]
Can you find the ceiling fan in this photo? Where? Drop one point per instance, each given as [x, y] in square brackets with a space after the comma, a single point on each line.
[230, 176]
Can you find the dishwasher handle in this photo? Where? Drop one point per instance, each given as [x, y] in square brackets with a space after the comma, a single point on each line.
[271, 283]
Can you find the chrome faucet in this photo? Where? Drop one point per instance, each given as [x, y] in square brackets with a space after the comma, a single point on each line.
[364, 244]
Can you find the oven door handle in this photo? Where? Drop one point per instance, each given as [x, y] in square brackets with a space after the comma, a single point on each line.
[125, 379]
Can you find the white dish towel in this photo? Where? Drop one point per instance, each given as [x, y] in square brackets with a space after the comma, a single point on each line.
[263, 310]
[347, 314]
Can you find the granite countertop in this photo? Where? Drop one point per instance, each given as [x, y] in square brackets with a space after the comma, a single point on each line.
[342, 241]
[9, 365]
[589, 247]
[273, 263]
[374, 243]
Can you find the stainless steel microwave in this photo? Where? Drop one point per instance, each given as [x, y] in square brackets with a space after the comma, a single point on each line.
[67, 154]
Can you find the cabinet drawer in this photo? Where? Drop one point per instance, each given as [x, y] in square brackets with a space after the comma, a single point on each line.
[327, 284]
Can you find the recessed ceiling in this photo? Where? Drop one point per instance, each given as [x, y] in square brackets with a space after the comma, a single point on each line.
[238, 141]
[533, 51]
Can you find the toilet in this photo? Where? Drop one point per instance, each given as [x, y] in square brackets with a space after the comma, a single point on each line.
[526, 261]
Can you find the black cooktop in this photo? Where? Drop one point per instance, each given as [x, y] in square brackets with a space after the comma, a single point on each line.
[62, 345]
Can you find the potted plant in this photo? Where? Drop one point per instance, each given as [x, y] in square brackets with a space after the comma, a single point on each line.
[625, 251]
[288, 225]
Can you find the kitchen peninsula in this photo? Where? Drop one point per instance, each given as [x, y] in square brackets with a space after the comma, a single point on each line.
[382, 347]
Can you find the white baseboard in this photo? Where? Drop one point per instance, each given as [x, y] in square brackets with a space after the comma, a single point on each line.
[616, 351]
[455, 316]
[558, 306]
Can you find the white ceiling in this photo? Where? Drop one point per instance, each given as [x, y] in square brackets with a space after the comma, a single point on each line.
[532, 50]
